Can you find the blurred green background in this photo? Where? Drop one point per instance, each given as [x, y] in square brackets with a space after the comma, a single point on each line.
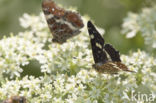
[107, 14]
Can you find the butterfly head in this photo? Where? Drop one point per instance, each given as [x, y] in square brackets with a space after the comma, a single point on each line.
[97, 65]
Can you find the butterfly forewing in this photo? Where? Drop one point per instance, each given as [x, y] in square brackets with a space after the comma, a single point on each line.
[97, 44]
[63, 24]
[114, 54]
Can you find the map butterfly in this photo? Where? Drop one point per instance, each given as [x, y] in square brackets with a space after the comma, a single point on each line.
[102, 52]
[62, 24]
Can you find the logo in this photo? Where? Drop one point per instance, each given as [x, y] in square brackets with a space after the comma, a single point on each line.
[62, 24]
[140, 97]
[102, 52]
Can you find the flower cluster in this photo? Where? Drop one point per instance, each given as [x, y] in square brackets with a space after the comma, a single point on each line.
[67, 68]
[143, 23]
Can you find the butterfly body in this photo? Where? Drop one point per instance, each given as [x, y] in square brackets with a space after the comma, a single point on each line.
[63, 24]
[15, 99]
[101, 52]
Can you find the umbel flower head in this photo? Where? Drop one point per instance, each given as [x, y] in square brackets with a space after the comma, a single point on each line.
[143, 23]
[68, 76]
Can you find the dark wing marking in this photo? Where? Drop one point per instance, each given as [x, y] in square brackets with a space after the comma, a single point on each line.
[97, 44]
[114, 54]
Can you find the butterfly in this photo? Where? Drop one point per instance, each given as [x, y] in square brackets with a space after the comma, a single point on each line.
[101, 51]
[62, 24]
[15, 99]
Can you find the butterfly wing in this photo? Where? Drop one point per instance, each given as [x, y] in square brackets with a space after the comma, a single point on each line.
[63, 24]
[114, 54]
[97, 44]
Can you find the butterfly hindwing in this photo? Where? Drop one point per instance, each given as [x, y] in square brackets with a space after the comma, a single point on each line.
[97, 44]
[114, 54]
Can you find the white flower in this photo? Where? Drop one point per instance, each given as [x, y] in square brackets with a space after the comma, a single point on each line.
[68, 76]
[142, 23]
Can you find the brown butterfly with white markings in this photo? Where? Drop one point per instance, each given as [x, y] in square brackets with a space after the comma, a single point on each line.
[62, 24]
[16, 99]
[100, 51]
